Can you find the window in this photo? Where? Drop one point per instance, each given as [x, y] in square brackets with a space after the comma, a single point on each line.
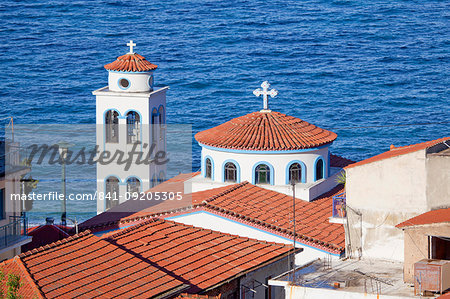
[154, 116]
[161, 122]
[262, 174]
[112, 192]
[154, 181]
[133, 185]
[319, 169]
[112, 126]
[2, 204]
[162, 177]
[208, 168]
[150, 82]
[124, 83]
[295, 173]
[133, 127]
[230, 172]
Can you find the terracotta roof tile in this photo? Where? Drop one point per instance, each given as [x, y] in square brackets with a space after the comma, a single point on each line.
[274, 210]
[202, 257]
[435, 216]
[86, 266]
[397, 151]
[265, 131]
[131, 63]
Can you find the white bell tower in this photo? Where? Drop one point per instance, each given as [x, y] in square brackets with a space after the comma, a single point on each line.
[130, 113]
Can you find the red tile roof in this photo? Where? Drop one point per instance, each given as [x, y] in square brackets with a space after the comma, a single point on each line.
[85, 266]
[273, 210]
[109, 219]
[435, 216]
[397, 151]
[265, 209]
[131, 63]
[204, 258]
[265, 131]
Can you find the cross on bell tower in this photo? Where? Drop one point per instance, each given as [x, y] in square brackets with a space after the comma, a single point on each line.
[131, 45]
[265, 92]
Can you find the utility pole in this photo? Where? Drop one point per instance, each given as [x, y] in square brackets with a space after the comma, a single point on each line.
[293, 239]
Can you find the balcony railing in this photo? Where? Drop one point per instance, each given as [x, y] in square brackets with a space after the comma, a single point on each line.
[339, 210]
[13, 232]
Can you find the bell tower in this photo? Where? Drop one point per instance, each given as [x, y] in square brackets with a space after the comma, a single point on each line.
[130, 114]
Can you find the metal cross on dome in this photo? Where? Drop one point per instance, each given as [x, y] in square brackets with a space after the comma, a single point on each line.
[265, 92]
[131, 45]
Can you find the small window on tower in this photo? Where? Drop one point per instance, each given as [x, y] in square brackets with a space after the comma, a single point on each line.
[124, 83]
[150, 82]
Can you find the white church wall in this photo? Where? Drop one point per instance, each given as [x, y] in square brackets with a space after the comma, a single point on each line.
[215, 222]
[279, 161]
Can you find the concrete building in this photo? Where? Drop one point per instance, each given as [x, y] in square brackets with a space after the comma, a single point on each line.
[426, 236]
[12, 223]
[390, 188]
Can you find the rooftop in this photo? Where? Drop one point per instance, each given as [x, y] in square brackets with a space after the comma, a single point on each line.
[356, 276]
[397, 151]
[131, 62]
[203, 258]
[85, 266]
[265, 131]
[431, 217]
[155, 258]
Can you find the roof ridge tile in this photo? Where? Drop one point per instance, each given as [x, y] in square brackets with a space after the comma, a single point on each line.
[55, 244]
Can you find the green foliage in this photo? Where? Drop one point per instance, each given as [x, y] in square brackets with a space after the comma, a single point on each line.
[12, 285]
[341, 178]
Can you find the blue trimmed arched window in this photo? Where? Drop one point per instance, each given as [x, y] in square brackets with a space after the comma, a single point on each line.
[295, 173]
[161, 177]
[230, 172]
[133, 126]
[111, 192]
[262, 174]
[154, 181]
[319, 169]
[208, 168]
[133, 185]
[112, 126]
[154, 117]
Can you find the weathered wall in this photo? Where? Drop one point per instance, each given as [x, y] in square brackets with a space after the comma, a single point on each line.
[416, 245]
[384, 193]
[438, 181]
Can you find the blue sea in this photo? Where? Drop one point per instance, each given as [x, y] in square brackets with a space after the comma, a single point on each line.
[375, 72]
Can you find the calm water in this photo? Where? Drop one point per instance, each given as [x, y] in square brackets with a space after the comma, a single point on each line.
[342, 65]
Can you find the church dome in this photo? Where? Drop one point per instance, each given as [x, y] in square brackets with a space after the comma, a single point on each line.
[131, 62]
[266, 131]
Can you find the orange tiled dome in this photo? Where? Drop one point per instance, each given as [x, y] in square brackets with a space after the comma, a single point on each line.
[266, 131]
[131, 63]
